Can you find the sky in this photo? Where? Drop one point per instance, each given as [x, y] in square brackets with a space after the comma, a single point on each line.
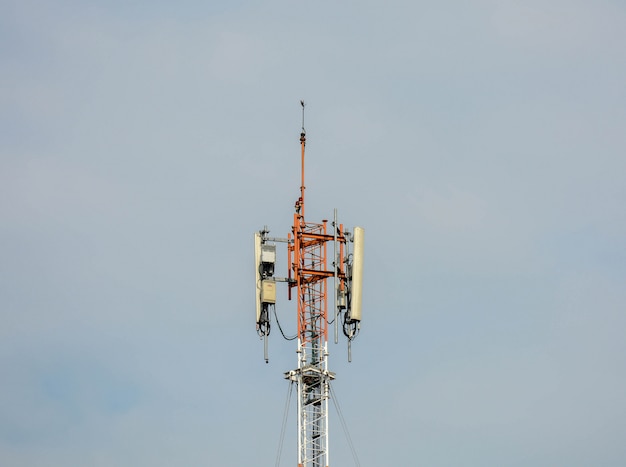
[479, 144]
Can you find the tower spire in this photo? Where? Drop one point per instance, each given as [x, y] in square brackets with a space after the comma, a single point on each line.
[302, 146]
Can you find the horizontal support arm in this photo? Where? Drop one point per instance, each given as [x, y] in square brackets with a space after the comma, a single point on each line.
[276, 239]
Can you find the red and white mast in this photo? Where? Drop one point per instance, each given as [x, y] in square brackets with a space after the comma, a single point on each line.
[308, 273]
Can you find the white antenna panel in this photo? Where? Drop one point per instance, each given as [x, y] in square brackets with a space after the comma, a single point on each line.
[257, 265]
[357, 275]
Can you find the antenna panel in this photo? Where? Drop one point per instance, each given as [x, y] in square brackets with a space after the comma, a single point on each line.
[257, 271]
[357, 275]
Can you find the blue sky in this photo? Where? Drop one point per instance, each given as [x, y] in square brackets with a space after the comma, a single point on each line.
[480, 144]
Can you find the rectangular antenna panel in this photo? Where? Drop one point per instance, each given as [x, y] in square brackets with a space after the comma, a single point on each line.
[357, 275]
[257, 265]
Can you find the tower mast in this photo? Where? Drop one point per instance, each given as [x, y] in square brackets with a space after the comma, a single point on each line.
[311, 376]
[308, 271]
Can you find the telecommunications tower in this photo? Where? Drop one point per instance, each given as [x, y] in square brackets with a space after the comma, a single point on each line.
[309, 271]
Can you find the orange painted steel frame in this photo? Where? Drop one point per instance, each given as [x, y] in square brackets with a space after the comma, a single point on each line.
[306, 239]
[308, 271]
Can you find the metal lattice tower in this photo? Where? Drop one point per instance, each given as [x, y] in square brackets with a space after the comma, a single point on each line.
[308, 273]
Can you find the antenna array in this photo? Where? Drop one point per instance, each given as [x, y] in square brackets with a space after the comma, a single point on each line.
[308, 275]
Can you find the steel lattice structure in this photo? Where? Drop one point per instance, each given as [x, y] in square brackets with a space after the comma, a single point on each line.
[311, 376]
[309, 271]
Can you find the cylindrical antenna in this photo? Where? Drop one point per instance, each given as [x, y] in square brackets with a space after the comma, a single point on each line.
[302, 144]
[349, 351]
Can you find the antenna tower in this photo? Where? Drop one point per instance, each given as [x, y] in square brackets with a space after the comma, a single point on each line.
[309, 271]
